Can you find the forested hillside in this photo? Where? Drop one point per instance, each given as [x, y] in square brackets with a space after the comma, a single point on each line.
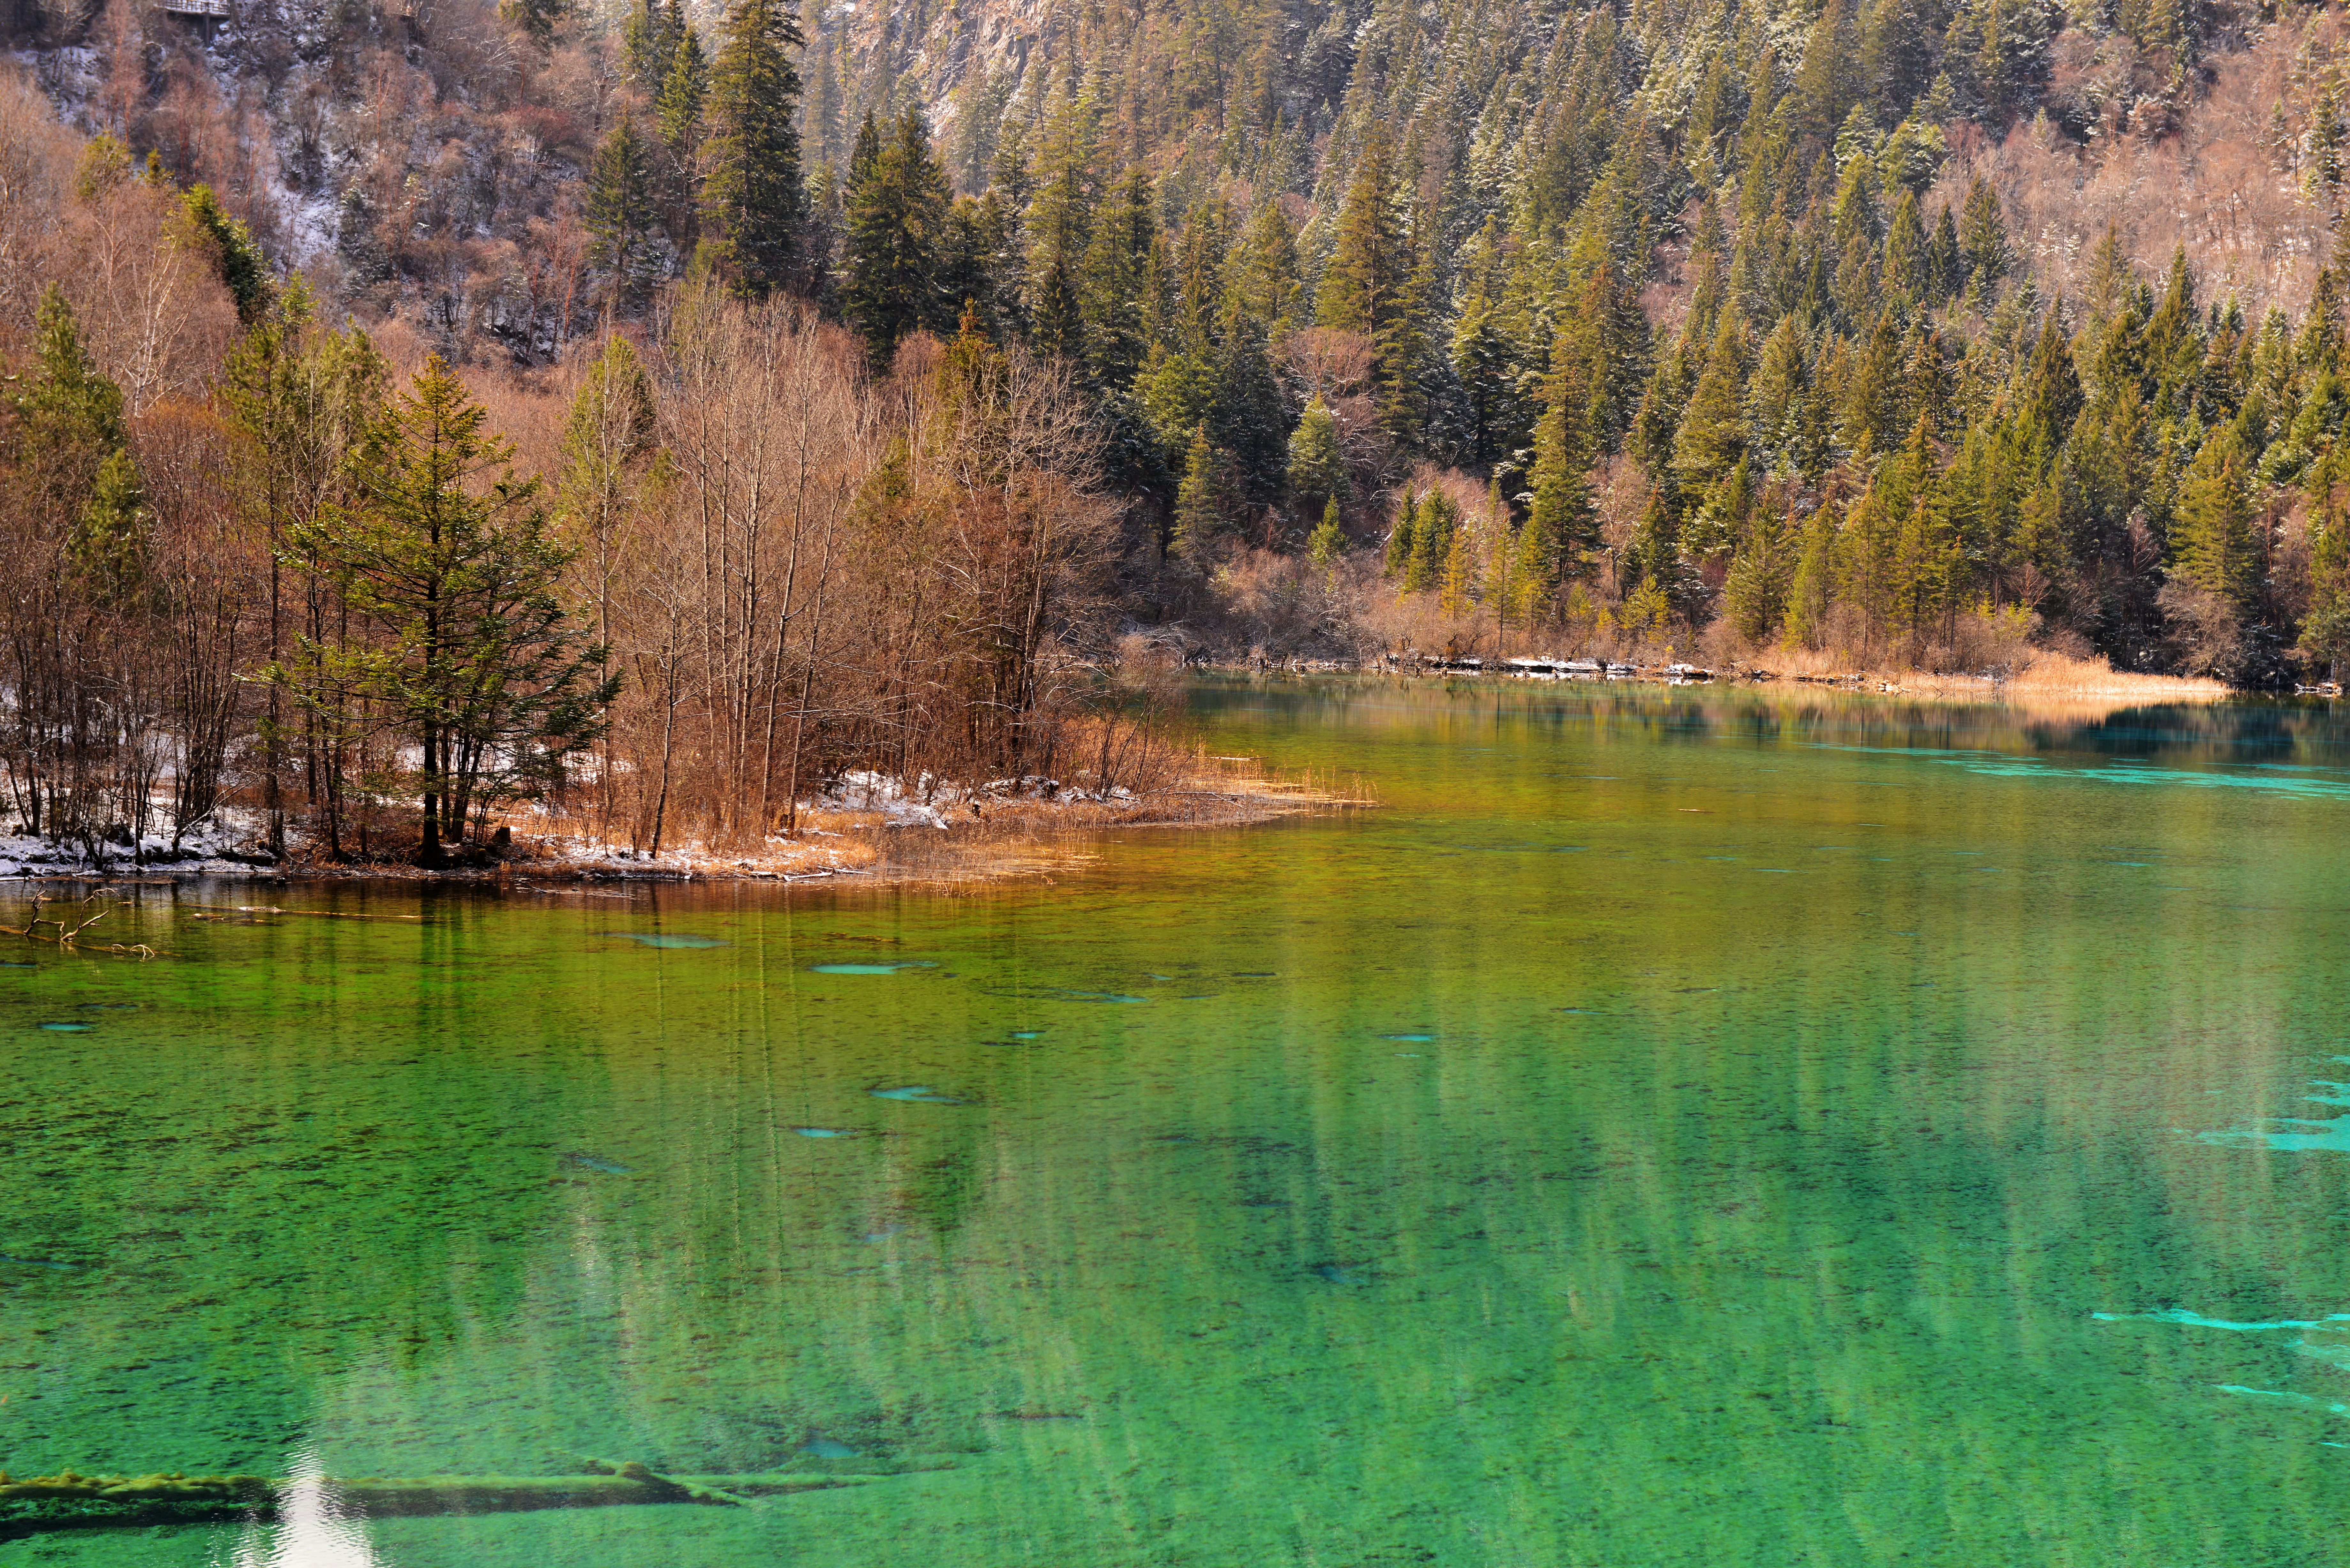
[836, 387]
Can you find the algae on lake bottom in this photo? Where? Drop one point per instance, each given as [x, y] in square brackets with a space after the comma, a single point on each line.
[1727, 1218]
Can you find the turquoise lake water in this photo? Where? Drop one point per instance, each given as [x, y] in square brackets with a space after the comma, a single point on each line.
[1677, 1127]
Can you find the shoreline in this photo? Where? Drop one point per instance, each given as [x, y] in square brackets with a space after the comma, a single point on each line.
[1006, 838]
[1019, 836]
[2051, 679]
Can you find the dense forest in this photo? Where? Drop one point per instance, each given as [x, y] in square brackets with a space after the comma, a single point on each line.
[682, 406]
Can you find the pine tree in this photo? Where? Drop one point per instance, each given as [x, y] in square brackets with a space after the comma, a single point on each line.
[1814, 588]
[1403, 537]
[752, 201]
[1830, 82]
[1402, 345]
[1945, 261]
[1431, 543]
[1908, 271]
[455, 564]
[2213, 548]
[1116, 282]
[1754, 594]
[1198, 517]
[1251, 414]
[2052, 388]
[73, 454]
[1060, 229]
[1776, 392]
[620, 214]
[2325, 629]
[1369, 268]
[1317, 467]
[2319, 346]
[294, 402]
[897, 215]
[1982, 240]
[236, 255]
[1329, 540]
[1713, 433]
[536, 19]
[1264, 273]
[1459, 575]
[1562, 525]
[645, 44]
[1924, 576]
[684, 89]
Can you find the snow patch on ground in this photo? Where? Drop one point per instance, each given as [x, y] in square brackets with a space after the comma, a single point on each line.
[233, 844]
[227, 848]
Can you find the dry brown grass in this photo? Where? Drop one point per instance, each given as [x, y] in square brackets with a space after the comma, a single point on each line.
[2051, 685]
[1012, 834]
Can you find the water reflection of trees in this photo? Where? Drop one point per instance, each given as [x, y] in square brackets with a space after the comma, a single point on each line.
[2247, 731]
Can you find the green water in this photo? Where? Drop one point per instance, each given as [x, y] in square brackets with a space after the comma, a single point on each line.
[1678, 1127]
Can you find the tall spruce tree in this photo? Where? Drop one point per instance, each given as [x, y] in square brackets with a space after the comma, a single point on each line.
[684, 90]
[1370, 266]
[73, 454]
[622, 214]
[753, 205]
[1198, 517]
[454, 563]
[898, 239]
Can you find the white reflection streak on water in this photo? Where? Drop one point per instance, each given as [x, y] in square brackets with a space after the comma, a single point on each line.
[313, 1530]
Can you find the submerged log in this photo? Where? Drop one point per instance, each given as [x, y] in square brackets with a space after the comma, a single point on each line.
[39, 1504]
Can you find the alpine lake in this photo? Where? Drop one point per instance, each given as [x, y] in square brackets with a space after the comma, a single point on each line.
[1676, 1127]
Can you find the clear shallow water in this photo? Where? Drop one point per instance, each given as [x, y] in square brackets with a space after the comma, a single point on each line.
[1680, 1127]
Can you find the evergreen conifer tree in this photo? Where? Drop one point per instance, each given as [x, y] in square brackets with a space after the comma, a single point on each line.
[73, 454]
[1402, 538]
[243, 269]
[1713, 433]
[1814, 588]
[1329, 540]
[1197, 518]
[898, 220]
[1368, 269]
[2213, 548]
[684, 89]
[454, 561]
[1431, 543]
[1118, 284]
[1060, 229]
[621, 213]
[1982, 239]
[753, 204]
[1317, 467]
[1459, 576]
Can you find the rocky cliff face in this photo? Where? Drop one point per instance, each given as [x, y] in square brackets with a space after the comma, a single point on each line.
[964, 61]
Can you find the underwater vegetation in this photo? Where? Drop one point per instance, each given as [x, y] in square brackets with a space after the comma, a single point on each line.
[68, 1501]
[1057, 993]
